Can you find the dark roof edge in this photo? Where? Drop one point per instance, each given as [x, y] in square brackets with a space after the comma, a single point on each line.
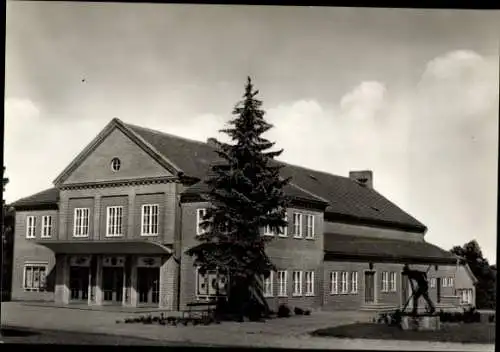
[36, 206]
[195, 197]
[350, 219]
[334, 256]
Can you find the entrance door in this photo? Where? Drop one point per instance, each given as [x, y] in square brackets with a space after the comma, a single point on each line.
[369, 287]
[112, 284]
[79, 283]
[148, 285]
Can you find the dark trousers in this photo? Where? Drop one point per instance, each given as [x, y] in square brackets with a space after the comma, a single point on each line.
[422, 293]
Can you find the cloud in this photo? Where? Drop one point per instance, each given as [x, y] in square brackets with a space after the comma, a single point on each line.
[38, 148]
[364, 101]
[460, 84]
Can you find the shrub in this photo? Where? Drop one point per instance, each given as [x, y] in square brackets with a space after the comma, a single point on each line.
[307, 312]
[395, 318]
[283, 311]
[383, 319]
[298, 311]
[254, 310]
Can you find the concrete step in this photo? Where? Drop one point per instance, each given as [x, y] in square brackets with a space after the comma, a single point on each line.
[378, 308]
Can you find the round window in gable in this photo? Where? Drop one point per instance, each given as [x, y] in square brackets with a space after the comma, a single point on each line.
[115, 164]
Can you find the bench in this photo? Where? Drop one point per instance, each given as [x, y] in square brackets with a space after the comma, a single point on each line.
[207, 312]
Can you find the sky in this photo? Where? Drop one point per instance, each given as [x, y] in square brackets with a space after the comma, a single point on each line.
[410, 94]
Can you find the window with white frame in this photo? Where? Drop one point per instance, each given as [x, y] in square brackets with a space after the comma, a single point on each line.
[344, 282]
[46, 226]
[444, 282]
[392, 282]
[114, 221]
[268, 285]
[211, 284]
[267, 229]
[385, 281]
[309, 226]
[282, 283]
[451, 282]
[334, 282]
[81, 222]
[149, 223]
[284, 230]
[309, 276]
[34, 276]
[297, 225]
[297, 283]
[30, 226]
[432, 282]
[354, 282]
[200, 214]
[465, 296]
[447, 282]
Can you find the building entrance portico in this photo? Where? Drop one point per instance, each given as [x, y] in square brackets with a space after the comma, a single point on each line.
[118, 273]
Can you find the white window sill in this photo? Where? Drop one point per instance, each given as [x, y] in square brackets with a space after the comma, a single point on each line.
[299, 237]
[119, 235]
[30, 238]
[268, 296]
[310, 238]
[149, 234]
[80, 236]
[309, 294]
[283, 295]
[283, 236]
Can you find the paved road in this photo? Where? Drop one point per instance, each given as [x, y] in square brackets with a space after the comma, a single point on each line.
[281, 333]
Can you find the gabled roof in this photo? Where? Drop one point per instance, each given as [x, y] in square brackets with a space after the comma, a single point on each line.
[346, 198]
[339, 246]
[46, 199]
[110, 127]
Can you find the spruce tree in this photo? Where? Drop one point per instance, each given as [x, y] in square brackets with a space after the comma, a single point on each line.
[245, 192]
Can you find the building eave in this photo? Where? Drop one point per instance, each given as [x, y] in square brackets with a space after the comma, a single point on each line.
[116, 246]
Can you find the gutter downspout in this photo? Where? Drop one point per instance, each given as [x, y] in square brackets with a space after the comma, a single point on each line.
[179, 259]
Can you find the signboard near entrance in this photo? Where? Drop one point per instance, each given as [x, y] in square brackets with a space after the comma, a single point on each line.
[79, 260]
[149, 262]
[113, 262]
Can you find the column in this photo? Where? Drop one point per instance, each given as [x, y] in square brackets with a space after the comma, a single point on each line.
[97, 217]
[65, 286]
[130, 216]
[91, 274]
[98, 281]
[133, 281]
[126, 281]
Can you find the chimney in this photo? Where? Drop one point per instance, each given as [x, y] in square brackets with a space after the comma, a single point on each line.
[364, 178]
[212, 142]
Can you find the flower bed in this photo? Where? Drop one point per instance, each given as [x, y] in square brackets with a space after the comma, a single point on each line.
[169, 320]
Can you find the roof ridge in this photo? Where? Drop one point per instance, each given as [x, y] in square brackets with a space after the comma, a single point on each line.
[308, 192]
[167, 134]
[208, 145]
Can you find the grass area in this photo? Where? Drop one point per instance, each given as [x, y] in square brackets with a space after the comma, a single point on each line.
[36, 336]
[464, 333]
